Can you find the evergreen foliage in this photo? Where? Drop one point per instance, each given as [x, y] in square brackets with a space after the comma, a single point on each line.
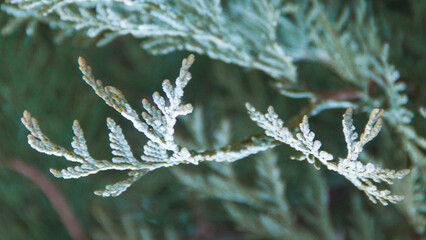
[320, 56]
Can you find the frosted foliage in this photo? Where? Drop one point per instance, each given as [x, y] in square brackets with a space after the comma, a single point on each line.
[227, 33]
[157, 125]
[266, 35]
[363, 176]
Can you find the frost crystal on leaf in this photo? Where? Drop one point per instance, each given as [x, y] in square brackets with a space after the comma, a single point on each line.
[362, 176]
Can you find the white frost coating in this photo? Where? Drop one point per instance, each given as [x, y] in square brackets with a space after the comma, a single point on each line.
[157, 125]
[202, 26]
[363, 176]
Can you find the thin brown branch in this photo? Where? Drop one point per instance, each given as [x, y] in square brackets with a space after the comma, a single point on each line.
[53, 194]
[340, 95]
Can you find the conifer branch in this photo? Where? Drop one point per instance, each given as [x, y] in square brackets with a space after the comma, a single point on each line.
[362, 176]
[157, 124]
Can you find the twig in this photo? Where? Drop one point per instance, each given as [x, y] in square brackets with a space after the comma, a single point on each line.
[53, 193]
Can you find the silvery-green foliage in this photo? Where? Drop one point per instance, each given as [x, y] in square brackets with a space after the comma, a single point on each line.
[397, 114]
[343, 37]
[161, 149]
[347, 42]
[264, 35]
[414, 206]
[361, 224]
[243, 33]
[262, 209]
[268, 35]
[157, 125]
[363, 176]
[126, 228]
